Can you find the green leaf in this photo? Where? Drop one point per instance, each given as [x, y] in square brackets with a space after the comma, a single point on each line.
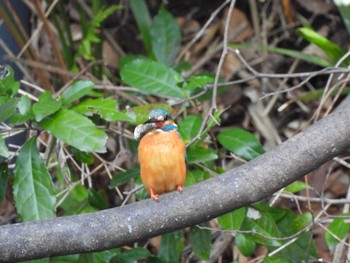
[121, 178]
[301, 222]
[4, 177]
[198, 154]
[200, 175]
[232, 220]
[276, 259]
[129, 58]
[245, 244]
[77, 202]
[143, 21]
[200, 240]
[153, 78]
[7, 109]
[45, 106]
[288, 52]
[171, 246]
[241, 142]
[33, 189]
[141, 194]
[333, 51]
[213, 122]
[23, 111]
[196, 176]
[96, 257]
[190, 180]
[76, 91]
[3, 148]
[8, 85]
[340, 227]
[106, 108]
[165, 37]
[83, 157]
[190, 125]
[76, 130]
[296, 186]
[262, 222]
[132, 255]
[65, 259]
[198, 82]
[96, 199]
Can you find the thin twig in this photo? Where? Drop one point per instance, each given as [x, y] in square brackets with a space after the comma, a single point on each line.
[52, 40]
[201, 32]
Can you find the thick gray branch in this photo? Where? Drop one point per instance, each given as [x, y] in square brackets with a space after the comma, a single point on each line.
[244, 185]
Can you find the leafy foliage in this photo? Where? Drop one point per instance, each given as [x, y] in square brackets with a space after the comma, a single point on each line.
[33, 188]
[70, 129]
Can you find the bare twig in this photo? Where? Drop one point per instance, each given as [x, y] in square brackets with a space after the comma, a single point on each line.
[51, 37]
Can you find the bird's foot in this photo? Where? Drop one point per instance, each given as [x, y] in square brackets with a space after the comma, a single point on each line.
[179, 188]
[153, 195]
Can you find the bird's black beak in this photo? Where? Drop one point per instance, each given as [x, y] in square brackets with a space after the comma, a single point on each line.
[152, 120]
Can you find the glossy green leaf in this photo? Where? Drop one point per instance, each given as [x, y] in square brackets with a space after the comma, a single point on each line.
[23, 111]
[245, 244]
[132, 255]
[83, 157]
[198, 175]
[3, 148]
[318, 93]
[96, 199]
[77, 202]
[276, 259]
[190, 180]
[4, 177]
[198, 154]
[198, 82]
[33, 189]
[232, 220]
[263, 223]
[98, 257]
[301, 222]
[296, 186]
[76, 130]
[190, 126]
[171, 246]
[76, 91]
[7, 109]
[65, 259]
[106, 108]
[121, 178]
[333, 51]
[289, 52]
[46, 106]
[300, 249]
[143, 21]
[165, 37]
[152, 78]
[340, 227]
[200, 240]
[8, 85]
[241, 142]
[142, 193]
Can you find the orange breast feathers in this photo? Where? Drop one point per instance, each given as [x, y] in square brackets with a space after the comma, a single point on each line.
[162, 162]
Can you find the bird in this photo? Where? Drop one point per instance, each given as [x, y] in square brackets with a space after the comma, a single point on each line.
[161, 154]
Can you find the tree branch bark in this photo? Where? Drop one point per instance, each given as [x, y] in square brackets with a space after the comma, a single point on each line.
[201, 202]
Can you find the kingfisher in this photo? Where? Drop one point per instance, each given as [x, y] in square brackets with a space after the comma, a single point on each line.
[161, 154]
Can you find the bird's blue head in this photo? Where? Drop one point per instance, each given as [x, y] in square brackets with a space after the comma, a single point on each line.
[162, 119]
